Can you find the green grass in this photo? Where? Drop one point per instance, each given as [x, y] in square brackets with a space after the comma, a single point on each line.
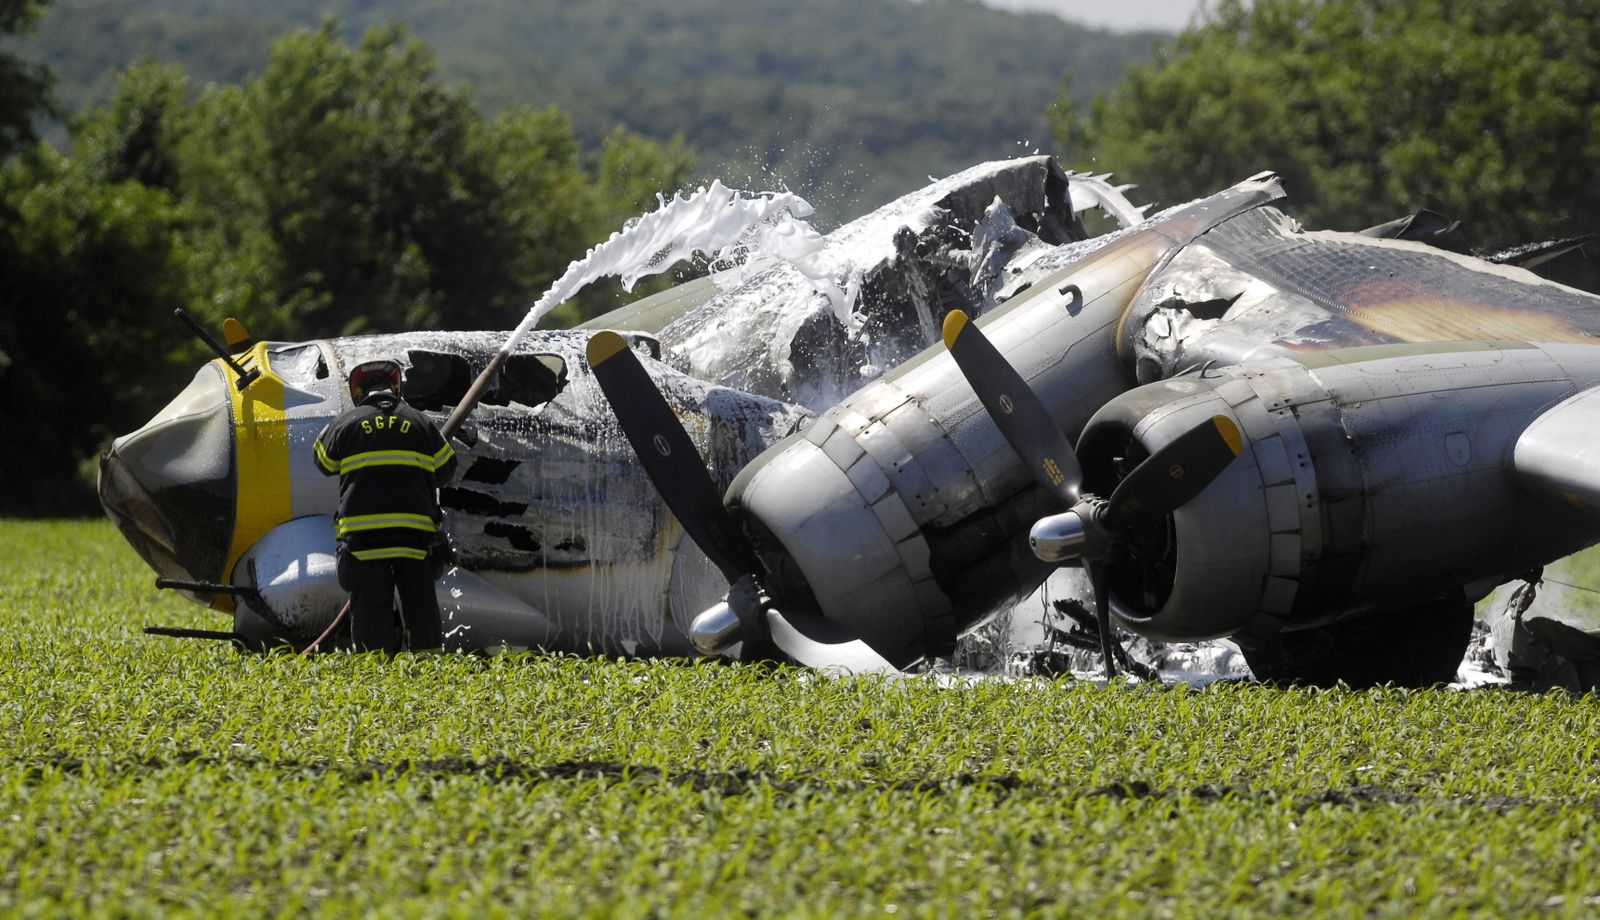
[143, 776]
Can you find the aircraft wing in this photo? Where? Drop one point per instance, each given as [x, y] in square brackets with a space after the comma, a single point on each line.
[1258, 284]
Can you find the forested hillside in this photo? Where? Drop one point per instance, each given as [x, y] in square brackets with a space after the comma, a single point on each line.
[849, 102]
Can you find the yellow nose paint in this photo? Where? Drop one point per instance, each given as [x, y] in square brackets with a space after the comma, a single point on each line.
[261, 461]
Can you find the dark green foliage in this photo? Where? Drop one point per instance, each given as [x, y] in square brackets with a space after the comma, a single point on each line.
[24, 85]
[346, 190]
[850, 102]
[1485, 110]
[377, 199]
[93, 270]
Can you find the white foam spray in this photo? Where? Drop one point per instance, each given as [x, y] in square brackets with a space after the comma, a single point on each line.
[724, 224]
[794, 243]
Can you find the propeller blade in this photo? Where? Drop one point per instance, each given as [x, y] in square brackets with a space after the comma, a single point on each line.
[1102, 614]
[668, 455]
[1174, 474]
[1017, 411]
[816, 643]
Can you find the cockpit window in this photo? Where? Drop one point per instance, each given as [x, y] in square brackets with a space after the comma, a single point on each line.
[529, 379]
[298, 365]
[435, 380]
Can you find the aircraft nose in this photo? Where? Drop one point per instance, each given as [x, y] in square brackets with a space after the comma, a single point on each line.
[169, 487]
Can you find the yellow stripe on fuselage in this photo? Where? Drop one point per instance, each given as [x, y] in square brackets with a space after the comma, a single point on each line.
[260, 458]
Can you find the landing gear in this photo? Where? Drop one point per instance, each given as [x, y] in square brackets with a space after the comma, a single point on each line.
[1418, 647]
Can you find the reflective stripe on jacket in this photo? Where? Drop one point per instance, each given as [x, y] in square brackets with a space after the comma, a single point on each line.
[390, 460]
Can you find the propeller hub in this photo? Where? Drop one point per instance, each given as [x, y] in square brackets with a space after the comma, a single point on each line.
[1074, 534]
[738, 616]
[716, 629]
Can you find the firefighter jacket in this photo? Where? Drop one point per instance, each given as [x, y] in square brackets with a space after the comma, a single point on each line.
[390, 460]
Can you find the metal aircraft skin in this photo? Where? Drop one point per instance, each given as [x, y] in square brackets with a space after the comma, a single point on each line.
[1414, 425]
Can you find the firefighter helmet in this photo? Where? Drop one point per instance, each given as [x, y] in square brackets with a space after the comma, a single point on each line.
[373, 376]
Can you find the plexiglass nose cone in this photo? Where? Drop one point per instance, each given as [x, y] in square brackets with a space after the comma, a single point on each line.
[169, 487]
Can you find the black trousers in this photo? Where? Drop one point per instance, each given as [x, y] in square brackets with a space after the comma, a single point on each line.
[373, 585]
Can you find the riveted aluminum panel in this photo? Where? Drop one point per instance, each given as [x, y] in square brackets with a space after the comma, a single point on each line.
[849, 420]
[914, 555]
[1257, 423]
[901, 469]
[819, 430]
[871, 403]
[1283, 511]
[842, 449]
[895, 519]
[1277, 597]
[868, 479]
[938, 462]
[1307, 494]
[1235, 392]
[1273, 460]
[1284, 556]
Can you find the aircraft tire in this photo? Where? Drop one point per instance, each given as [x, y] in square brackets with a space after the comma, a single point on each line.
[1419, 647]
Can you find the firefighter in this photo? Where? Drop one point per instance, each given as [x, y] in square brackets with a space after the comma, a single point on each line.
[390, 461]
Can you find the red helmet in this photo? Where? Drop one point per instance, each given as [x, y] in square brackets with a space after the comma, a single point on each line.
[373, 376]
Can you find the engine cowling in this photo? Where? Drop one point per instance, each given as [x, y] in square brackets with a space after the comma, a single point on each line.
[1371, 479]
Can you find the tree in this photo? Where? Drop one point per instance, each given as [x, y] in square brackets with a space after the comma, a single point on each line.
[345, 190]
[24, 95]
[1485, 110]
[346, 180]
[93, 270]
[24, 87]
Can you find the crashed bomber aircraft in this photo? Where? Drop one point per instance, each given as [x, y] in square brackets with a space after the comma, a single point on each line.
[1411, 420]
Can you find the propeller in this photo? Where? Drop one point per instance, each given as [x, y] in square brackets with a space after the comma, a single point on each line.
[674, 465]
[1093, 529]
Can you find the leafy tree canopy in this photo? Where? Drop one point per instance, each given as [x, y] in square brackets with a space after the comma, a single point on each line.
[1485, 110]
[24, 86]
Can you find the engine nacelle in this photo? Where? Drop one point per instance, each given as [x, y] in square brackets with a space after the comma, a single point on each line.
[1371, 478]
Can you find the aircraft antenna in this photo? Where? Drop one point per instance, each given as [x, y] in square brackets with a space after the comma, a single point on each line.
[246, 377]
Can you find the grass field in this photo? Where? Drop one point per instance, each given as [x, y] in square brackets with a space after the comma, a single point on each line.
[143, 776]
